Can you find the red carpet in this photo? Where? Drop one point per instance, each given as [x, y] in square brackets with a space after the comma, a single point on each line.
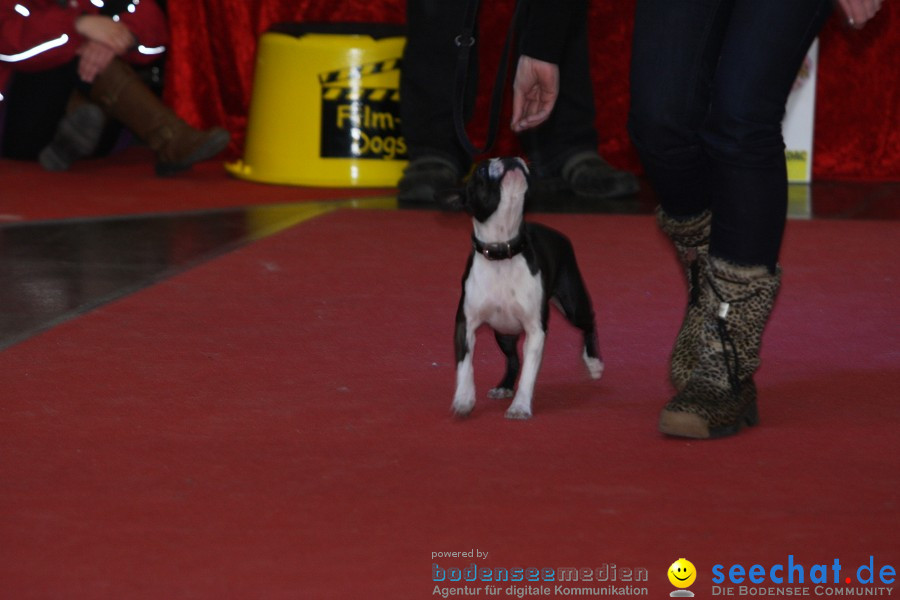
[125, 184]
[275, 424]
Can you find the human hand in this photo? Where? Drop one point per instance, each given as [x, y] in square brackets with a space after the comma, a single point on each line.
[106, 31]
[94, 58]
[535, 89]
[859, 12]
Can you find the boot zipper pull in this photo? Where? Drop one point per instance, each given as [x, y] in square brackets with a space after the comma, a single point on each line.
[723, 310]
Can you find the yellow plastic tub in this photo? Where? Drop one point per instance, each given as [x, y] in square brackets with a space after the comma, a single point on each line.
[325, 109]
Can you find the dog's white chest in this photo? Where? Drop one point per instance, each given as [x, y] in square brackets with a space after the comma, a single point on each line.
[503, 294]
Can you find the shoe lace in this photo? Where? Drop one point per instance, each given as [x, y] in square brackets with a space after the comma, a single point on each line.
[729, 349]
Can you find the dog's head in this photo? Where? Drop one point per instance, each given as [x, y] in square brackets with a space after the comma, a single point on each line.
[494, 184]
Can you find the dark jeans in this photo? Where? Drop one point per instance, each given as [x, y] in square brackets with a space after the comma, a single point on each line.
[709, 83]
[427, 94]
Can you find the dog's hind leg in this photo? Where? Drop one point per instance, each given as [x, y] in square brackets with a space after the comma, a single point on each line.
[534, 351]
[573, 299]
[591, 354]
[509, 345]
[464, 344]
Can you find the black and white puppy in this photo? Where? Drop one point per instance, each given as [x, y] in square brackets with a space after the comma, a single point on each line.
[514, 271]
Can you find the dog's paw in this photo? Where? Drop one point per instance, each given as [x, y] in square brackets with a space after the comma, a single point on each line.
[594, 366]
[518, 412]
[462, 408]
[500, 392]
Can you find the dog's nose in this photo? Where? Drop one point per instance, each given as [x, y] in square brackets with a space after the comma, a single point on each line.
[498, 167]
[495, 169]
[514, 162]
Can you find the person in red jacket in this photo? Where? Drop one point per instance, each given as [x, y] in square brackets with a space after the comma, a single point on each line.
[67, 65]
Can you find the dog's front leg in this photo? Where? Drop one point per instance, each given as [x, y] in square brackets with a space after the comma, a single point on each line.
[464, 343]
[533, 351]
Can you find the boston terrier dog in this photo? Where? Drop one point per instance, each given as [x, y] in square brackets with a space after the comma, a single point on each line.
[514, 271]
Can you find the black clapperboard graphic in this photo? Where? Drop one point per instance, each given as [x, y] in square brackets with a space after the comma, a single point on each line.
[360, 121]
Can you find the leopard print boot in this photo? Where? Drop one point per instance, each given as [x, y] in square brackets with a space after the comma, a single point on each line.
[691, 240]
[720, 395]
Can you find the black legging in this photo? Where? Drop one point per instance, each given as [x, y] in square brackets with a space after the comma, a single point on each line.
[427, 81]
[709, 83]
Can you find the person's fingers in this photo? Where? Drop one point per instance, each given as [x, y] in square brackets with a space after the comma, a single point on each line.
[532, 112]
[874, 7]
[94, 57]
[850, 12]
[535, 89]
[518, 107]
[859, 12]
[105, 31]
[87, 69]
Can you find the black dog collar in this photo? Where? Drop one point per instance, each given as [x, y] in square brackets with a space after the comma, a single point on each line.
[500, 250]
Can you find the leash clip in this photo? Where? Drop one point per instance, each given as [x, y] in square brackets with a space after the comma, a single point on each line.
[464, 41]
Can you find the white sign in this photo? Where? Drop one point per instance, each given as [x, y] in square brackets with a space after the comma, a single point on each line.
[799, 120]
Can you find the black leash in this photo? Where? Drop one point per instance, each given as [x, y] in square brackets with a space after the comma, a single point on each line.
[465, 41]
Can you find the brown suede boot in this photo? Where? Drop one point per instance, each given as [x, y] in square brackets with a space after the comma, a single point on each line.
[720, 395]
[178, 146]
[691, 240]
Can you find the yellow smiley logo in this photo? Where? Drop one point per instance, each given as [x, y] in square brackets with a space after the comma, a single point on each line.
[682, 573]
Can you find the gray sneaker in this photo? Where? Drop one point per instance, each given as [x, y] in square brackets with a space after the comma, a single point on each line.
[425, 179]
[76, 137]
[588, 175]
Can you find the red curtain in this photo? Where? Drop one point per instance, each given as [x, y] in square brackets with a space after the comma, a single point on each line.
[857, 129]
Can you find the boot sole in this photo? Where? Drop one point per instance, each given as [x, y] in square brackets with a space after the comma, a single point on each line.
[553, 186]
[689, 425]
[214, 144]
[622, 188]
